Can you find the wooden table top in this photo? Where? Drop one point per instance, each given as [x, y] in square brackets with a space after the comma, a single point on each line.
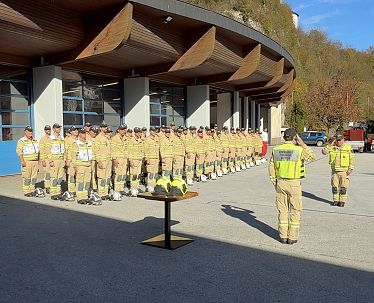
[163, 198]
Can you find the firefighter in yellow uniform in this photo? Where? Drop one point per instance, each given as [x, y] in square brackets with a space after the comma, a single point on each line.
[166, 153]
[70, 173]
[190, 140]
[179, 152]
[81, 155]
[152, 158]
[232, 149]
[28, 153]
[342, 162]
[286, 169]
[257, 147]
[136, 155]
[102, 156]
[210, 152]
[219, 152]
[250, 149]
[55, 155]
[200, 153]
[225, 141]
[119, 159]
[43, 158]
[90, 136]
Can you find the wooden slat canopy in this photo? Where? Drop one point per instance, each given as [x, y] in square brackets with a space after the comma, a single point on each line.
[169, 41]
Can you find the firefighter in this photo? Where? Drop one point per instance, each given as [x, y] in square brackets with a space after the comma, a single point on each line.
[209, 148]
[200, 154]
[28, 153]
[152, 158]
[70, 172]
[56, 157]
[119, 159]
[179, 152]
[87, 127]
[166, 153]
[257, 147]
[225, 141]
[90, 136]
[286, 169]
[136, 154]
[43, 158]
[342, 162]
[218, 152]
[81, 155]
[102, 156]
[190, 143]
[250, 149]
[232, 150]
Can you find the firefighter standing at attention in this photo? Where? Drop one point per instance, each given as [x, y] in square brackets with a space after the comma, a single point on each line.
[43, 158]
[28, 153]
[342, 162]
[286, 169]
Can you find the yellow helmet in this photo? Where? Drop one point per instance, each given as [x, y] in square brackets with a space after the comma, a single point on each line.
[178, 187]
[162, 186]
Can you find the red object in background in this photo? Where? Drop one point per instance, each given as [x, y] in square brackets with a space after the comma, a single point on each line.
[264, 149]
[354, 135]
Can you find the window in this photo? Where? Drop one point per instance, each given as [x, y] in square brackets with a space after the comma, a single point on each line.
[89, 98]
[167, 104]
[313, 135]
[14, 102]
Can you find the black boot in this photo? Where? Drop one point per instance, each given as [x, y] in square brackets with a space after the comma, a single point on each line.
[289, 241]
[283, 240]
[341, 204]
[334, 203]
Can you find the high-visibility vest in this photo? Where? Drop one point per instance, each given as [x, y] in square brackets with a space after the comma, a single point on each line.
[56, 147]
[344, 155]
[28, 148]
[287, 161]
[83, 153]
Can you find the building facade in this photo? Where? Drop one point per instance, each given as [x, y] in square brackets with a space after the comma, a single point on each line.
[141, 62]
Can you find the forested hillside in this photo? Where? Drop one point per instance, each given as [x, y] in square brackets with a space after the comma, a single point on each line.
[334, 85]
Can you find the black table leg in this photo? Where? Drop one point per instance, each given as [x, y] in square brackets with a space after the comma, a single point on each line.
[167, 240]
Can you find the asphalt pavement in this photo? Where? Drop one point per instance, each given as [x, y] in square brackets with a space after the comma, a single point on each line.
[64, 252]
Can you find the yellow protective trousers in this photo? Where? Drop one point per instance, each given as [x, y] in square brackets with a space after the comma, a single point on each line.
[339, 185]
[289, 205]
[29, 176]
[57, 173]
[83, 179]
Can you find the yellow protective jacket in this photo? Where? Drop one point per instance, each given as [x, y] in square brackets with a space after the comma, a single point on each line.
[29, 149]
[55, 147]
[199, 145]
[118, 147]
[81, 153]
[190, 142]
[340, 159]
[102, 148]
[135, 148]
[151, 147]
[179, 148]
[166, 147]
[43, 143]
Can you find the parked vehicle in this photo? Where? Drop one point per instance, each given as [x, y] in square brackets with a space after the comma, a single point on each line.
[356, 138]
[314, 138]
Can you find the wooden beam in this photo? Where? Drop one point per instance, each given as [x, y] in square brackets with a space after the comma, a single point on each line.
[289, 81]
[289, 90]
[198, 53]
[105, 40]
[97, 69]
[249, 64]
[112, 36]
[279, 69]
[266, 97]
[249, 86]
[15, 60]
[171, 79]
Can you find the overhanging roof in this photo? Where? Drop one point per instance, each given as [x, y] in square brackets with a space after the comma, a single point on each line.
[130, 38]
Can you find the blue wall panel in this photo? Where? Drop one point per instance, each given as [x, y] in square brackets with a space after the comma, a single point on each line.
[10, 163]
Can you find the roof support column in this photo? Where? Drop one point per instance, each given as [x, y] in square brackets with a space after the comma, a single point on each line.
[259, 120]
[275, 117]
[198, 105]
[223, 110]
[136, 92]
[246, 113]
[47, 88]
[236, 110]
[253, 115]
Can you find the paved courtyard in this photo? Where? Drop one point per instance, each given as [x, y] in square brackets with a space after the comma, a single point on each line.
[64, 252]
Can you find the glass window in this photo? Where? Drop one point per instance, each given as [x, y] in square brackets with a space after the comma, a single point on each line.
[11, 133]
[313, 134]
[14, 102]
[172, 101]
[90, 98]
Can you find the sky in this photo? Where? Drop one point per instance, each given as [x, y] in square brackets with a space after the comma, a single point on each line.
[348, 21]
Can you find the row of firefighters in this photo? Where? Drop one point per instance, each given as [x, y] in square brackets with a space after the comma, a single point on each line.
[93, 160]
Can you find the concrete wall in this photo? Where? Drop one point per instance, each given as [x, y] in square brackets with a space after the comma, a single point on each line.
[224, 110]
[198, 106]
[275, 117]
[236, 110]
[47, 87]
[253, 114]
[137, 109]
[264, 117]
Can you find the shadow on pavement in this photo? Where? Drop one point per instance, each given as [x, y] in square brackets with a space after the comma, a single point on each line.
[247, 217]
[314, 197]
[49, 254]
